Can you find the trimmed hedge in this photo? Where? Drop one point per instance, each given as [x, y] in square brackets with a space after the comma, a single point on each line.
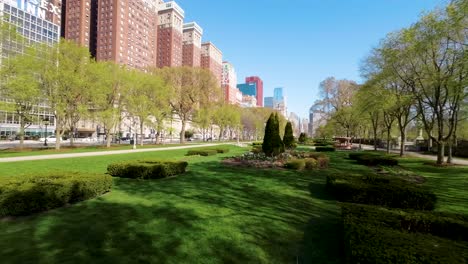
[379, 235]
[311, 164]
[324, 149]
[373, 159]
[295, 164]
[451, 226]
[257, 144]
[147, 169]
[364, 243]
[202, 152]
[380, 190]
[32, 194]
[221, 150]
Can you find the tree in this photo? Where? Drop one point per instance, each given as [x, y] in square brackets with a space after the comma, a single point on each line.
[19, 84]
[191, 89]
[288, 138]
[64, 80]
[302, 138]
[272, 143]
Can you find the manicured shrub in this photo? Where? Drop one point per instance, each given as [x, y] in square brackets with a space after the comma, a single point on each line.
[256, 149]
[373, 159]
[147, 169]
[302, 138]
[295, 164]
[448, 225]
[364, 243]
[202, 152]
[323, 162]
[32, 194]
[272, 143]
[288, 138]
[221, 150]
[324, 149]
[378, 190]
[311, 164]
[257, 144]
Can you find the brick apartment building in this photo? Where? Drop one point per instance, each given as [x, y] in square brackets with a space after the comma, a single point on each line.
[169, 41]
[191, 50]
[212, 59]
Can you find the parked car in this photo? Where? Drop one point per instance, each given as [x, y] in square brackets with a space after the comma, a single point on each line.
[52, 139]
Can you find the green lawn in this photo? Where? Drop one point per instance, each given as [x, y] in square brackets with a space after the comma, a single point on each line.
[212, 214]
[15, 152]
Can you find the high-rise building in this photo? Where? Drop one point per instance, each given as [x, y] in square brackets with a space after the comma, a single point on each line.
[279, 101]
[248, 88]
[170, 34]
[191, 49]
[38, 22]
[126, 32]
[212, 59]
[80, 22]
[268, 102]
[249, 101]
[232, 95]
[259, 85]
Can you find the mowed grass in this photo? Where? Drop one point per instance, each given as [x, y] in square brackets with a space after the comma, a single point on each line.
[80, 148]
[211, 214]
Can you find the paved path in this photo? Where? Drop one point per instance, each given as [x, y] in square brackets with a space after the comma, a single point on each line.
[102, 153]
[457, 161]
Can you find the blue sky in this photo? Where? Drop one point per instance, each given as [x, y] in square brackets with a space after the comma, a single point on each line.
[297, 44]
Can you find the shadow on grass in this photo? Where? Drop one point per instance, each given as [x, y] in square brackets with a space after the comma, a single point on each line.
[213, 213]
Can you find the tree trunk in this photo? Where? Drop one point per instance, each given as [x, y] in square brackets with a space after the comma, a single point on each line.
[388, 141]
[108, 139]
[402, 143]
[182, 131]
[72, 138]
[450, 148]
[220, 134]
[141, 131]
[440, 152]
[375, 138]
[21, 132]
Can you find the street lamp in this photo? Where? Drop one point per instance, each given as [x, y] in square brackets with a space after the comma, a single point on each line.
[46, 123]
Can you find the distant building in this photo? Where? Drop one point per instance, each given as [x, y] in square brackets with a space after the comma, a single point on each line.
[170, 34]
[296, 123]
[248, 88]
[249, 101]
[268, 102]
[232, 95]
[212, 59]
[191, 50]
[259, 90]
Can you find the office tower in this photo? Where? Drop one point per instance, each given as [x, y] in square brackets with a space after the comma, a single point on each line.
[191, 49]
[268, 102]
[170, 34]
[259, 88]
[212, 59]
[232, 95]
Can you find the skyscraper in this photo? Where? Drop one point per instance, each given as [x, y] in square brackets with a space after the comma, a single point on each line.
[80, 22]
[126, 32]
[170, 34]
[259, 85]
[191, 49]
[228, 84]
[212, 59]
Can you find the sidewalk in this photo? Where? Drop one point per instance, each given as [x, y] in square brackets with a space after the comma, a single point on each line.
[101, 153]
[457, 161]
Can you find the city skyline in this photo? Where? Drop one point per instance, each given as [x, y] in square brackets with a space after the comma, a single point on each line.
[295, 55]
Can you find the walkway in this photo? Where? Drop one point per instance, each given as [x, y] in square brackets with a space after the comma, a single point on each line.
[456, 161]
[102, 153]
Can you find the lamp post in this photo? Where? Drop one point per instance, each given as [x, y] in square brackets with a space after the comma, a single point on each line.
[46, 123]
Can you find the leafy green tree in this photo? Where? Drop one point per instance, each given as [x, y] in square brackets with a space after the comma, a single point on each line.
[288, 138]
[272, 143]
[19, 84]
[302, 138]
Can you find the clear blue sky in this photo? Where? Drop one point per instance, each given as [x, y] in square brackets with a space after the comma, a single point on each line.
[297, 44]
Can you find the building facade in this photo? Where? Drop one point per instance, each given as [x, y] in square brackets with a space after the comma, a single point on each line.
[37, 22]
[232, 95]
[268, 102]
[170, 34]
[212, 59]
[80, 22]
[126, 32]
[259, 88]
[191, 45]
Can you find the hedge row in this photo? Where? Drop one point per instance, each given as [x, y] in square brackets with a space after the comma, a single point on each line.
[380, 190]
[451, 226]
[377, 235]
[27, 195]
[325, 149]
[373, 159]
[207, 152]
[147, 169]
